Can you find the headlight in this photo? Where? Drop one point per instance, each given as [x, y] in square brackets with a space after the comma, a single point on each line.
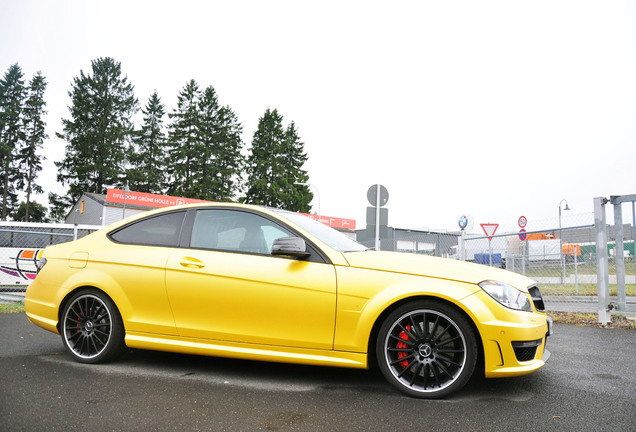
[507, 295]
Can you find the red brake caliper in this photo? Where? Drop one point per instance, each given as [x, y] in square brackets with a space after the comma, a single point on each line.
[79, 324]
[402, 345]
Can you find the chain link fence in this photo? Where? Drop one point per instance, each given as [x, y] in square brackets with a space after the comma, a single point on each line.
[562, 259]
[21, 245]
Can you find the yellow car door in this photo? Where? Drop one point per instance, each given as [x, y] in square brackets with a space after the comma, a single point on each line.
[228, 287]
[131, 269]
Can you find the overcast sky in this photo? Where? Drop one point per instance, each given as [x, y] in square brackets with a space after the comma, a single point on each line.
[494, 109]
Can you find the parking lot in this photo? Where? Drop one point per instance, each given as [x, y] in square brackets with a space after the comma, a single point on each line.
[589, 384]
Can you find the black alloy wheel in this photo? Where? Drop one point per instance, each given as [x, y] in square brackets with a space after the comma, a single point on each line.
[426, 349]
[92, 328]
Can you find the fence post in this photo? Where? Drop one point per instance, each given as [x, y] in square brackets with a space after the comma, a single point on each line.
[75, 224]
[524, 253]
[576, 270]
[602, 271]
[619, 253]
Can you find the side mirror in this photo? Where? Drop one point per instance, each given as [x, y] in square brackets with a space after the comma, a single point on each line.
[290, 246]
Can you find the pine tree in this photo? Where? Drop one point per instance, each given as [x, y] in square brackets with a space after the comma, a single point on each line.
[37, 212]
[12, 95]
[296, 196]
[57, 207]
[99, 131]
[220, 148]
[183, 140]
[275, 166]
[229, 159]
[35, 134]
[206, 182]
[204, 146]
[263, 161]
[147, 156]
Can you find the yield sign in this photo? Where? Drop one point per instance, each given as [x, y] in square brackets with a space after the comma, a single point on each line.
[489, 229]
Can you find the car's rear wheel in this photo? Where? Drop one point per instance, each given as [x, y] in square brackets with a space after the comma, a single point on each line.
[91, 327]
[426, 349]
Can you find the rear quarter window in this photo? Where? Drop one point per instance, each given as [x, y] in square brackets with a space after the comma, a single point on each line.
[161, 230]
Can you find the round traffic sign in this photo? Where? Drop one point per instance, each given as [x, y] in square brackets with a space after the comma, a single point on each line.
[523, 221]
[522, 234]
[372, 195]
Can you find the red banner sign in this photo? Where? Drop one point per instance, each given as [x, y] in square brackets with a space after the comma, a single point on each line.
[147, 199]
[334, 222]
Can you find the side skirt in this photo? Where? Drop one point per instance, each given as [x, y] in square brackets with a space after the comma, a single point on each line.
[246, 351]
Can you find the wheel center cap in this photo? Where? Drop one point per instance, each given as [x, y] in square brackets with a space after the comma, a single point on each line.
[89, 325]
[425, 350]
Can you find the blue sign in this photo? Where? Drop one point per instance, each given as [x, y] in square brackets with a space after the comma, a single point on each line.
[522, 234]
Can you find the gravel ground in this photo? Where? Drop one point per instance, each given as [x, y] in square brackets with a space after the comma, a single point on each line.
[591, 320]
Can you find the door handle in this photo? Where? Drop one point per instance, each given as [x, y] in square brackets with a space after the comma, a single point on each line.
[190, 262]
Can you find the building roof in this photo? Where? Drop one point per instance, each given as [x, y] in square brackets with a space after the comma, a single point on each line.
[102, 199]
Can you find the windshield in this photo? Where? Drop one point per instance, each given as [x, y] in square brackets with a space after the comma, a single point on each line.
[328, 235]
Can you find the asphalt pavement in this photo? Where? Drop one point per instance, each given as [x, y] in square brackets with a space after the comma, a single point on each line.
[589, 384]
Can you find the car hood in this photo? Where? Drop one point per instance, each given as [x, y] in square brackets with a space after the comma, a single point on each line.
[443, 268]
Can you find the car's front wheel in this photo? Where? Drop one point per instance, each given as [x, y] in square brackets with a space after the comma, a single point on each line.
[91, 327]
[426, 349]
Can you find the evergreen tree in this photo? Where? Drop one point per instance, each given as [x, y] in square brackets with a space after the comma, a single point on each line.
[183, 142]
[263, 161]
[148, 154]
[274, 166]
[206, 181]
[296, 195]
[57, 206]
[229, 160]
[204, 146]
[12, 95]
[100, 128]
[220, 149]
[37, 210]
[35, 134]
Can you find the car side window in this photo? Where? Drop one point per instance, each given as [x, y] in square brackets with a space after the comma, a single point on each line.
[162, 230]
[235, 231]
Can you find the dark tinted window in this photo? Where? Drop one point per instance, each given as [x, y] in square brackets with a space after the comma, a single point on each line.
[162, 230]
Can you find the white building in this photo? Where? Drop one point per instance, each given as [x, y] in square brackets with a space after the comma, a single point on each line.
[96, 209]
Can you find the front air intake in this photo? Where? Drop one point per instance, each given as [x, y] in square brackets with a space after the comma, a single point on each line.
[537, 298]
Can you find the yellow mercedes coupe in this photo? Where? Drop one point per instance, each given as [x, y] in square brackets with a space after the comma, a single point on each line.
[254, 283]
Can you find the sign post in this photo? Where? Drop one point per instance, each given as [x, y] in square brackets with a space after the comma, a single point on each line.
[378, 196]
[523, 236]
[490, 229]
[463, 223]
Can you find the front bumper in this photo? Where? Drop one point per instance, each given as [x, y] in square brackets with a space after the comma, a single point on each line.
[515, 353]
[505, 359]
[514, 342]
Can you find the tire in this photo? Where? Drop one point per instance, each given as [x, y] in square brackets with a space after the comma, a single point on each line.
[91, 327]
[426, 349]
